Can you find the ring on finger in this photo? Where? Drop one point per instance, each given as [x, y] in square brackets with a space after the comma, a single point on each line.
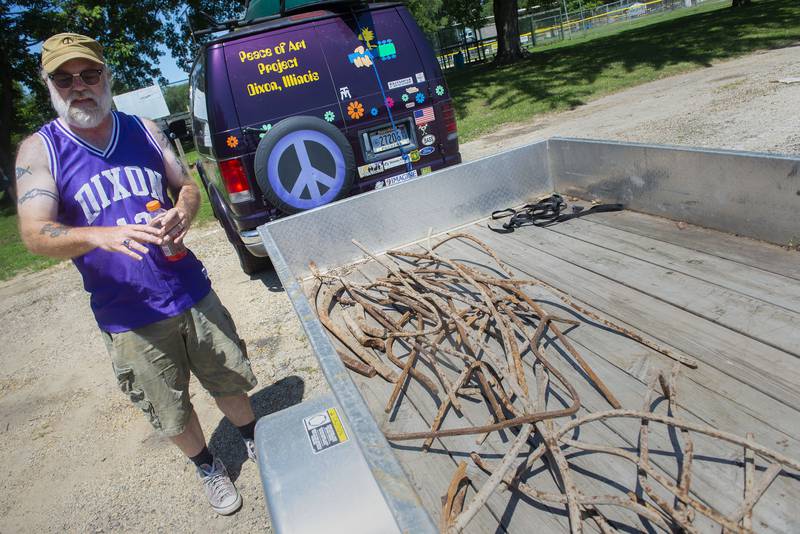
[126, 243]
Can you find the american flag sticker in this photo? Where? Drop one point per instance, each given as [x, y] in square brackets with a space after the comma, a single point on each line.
[424, 116]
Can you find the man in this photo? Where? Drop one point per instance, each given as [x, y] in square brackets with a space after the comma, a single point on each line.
[83, 183]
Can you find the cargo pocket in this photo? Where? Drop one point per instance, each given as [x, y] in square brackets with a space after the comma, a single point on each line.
[125, 379]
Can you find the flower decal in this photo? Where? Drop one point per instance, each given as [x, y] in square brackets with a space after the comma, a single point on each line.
[389, 102]
[439, 90]
[232, 141]
[374, 112]
[264, 129]
[420, 98]
[405, 97]
[355, 110]
[330, 116]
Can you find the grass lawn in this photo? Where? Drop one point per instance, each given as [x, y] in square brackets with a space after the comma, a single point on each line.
[15, 258]
[569, 73]
[204, 214]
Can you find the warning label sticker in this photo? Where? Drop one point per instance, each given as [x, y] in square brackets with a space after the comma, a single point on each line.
[324, 430]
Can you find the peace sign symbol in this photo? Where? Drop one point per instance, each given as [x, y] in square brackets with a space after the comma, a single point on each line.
[304, 162]
[306, 169]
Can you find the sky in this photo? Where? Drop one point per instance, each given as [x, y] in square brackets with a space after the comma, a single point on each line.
[169, 68]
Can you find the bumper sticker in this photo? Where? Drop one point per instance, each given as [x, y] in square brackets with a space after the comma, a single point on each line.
[370, 169]
[394, 180]
[386, 50]
[396, 84]
[355, 110]
[396, 162]
[424, 116]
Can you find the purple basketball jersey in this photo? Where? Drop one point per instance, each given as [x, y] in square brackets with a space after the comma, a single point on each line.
[111, 187]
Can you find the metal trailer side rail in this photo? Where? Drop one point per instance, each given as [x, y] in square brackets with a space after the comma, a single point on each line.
[660, 180]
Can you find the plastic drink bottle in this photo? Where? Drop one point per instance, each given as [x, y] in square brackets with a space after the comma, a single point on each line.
[172, 251]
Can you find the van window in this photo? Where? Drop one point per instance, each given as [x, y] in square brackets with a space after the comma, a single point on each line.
[197, 97]
[269, 8]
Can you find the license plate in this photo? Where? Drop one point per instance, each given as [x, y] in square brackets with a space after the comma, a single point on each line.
[388, 138]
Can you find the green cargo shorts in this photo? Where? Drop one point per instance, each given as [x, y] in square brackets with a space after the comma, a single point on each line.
[152, 363]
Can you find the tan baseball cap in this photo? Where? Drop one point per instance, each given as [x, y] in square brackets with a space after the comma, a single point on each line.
[60, 48]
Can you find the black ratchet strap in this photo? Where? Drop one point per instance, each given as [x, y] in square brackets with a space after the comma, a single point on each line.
[547, 211]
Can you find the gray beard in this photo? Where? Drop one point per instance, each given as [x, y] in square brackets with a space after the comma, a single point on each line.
[90, 117]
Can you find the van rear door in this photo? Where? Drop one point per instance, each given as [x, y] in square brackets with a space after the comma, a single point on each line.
[375, 64]
[280, 73]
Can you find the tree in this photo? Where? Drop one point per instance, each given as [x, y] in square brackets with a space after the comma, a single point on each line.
[133, 34]
[428, 14]
[506, 21]
[468, 13]
[177, 97]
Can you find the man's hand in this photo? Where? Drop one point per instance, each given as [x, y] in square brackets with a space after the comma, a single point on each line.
[184, 189]
[127, 239]
[174, 226]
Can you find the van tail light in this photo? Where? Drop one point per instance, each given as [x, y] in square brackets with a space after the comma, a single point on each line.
[449, 116]
[235, 179]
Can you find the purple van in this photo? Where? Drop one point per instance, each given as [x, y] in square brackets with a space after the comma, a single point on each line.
[311, 106]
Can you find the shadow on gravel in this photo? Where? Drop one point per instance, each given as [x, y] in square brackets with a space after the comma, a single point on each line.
[226, 442]
[270, 279]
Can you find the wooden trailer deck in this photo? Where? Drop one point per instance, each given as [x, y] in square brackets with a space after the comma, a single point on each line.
[731, 303]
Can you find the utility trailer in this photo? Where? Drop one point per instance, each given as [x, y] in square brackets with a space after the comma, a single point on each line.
[703, 262]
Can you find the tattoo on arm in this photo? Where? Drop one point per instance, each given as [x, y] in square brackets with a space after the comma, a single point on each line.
[37, 193]
[162, 139]
[184, 169]
[22, 172]
[54, 230]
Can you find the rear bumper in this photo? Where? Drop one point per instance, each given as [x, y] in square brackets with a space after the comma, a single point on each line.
[253, 242]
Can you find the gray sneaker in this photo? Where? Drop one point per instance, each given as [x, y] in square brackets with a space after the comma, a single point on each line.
[250, 445]
[221, 493]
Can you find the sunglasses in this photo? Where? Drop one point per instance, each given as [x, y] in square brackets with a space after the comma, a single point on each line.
[63, 80]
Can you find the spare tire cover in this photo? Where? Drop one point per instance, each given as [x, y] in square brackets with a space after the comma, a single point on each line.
[304, 162]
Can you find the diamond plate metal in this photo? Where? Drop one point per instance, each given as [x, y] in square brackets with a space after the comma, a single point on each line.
[403, 213]
[756, 195]
[745, 193]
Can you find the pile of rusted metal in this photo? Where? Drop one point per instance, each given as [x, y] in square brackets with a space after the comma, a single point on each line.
[471, 333]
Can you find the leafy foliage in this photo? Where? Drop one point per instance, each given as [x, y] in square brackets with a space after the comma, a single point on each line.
[177, 97]
[133, 34]
[467, 12]
[428, 14]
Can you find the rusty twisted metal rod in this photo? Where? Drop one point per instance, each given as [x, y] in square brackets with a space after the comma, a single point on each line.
[428, 291]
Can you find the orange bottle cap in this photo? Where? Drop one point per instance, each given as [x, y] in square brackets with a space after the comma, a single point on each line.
[153, 205]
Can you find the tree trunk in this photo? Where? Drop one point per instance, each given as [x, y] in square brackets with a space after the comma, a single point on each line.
[6, 112]
[507, 23]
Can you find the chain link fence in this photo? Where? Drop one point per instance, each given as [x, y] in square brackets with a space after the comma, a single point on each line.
[457, 45]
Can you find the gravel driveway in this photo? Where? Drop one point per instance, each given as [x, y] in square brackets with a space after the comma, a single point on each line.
[78, 457]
